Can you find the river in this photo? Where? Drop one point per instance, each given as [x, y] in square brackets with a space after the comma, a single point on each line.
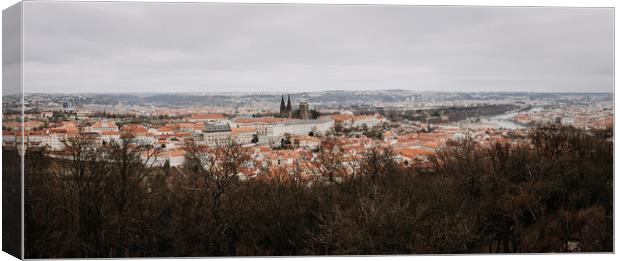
[506, 120]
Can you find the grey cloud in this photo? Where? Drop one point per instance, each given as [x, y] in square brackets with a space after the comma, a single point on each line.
[115, 47]
[11, 50]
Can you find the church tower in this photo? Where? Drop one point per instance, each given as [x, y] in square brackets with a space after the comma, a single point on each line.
[282, 107]
[303, 110]
[289, 109]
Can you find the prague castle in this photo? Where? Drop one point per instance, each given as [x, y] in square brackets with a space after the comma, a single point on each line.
[286, 110]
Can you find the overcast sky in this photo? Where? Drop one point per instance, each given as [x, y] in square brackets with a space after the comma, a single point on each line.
[159, 47]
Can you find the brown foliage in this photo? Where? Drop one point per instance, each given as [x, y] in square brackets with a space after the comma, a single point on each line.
[551, 194]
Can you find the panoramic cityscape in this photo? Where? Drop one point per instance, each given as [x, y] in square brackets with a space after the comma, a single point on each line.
[136, 129]
[285, 132]
[310, 142]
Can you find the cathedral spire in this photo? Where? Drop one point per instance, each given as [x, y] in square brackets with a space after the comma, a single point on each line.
[289, 109]
[282, 106]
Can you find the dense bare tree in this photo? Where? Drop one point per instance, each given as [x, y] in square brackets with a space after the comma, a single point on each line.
[552, 192]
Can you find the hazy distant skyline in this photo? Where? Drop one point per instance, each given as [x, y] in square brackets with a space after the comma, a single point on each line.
[203, 47]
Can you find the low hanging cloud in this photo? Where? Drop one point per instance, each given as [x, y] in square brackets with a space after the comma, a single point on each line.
[206, 47]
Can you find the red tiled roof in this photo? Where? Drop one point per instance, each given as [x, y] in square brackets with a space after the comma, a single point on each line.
[110, 133]
[412, 152]
[104, 124]
[134, 128]
[167, 128]
[235, 131]
[182, 134]
[431, 144]
[186, 125]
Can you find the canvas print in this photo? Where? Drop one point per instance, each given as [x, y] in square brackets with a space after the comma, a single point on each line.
[144, 129]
